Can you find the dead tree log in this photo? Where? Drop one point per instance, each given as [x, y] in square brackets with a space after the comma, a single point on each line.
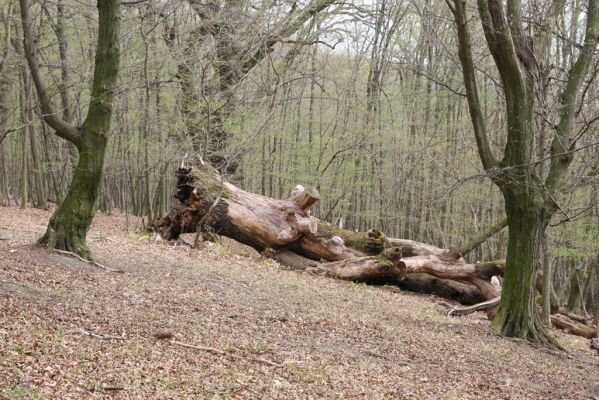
[252, 219]
[284, 227]
[573, 327]
[414, 282]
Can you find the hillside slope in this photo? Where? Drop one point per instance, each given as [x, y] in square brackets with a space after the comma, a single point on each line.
[70, 330]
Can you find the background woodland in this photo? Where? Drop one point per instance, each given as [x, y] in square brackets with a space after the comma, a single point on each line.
[364, 101]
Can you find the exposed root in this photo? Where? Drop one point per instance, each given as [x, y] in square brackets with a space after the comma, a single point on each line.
[484, 306]
[535, 332]
[70, 244]
[97, 264]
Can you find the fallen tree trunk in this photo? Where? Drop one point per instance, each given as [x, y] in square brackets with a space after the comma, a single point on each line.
[262, 222]
[562, 322]
[286, 230]
[414, 282]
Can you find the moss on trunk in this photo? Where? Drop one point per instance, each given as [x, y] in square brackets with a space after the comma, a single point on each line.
[371, 242]
[517, 315]
[70, 222]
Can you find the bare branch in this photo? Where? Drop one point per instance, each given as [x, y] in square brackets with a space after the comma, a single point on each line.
[465, 54]
[562, 142]
[63, 129]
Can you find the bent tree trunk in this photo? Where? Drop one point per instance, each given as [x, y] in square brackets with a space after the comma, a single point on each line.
[70, 222]
[286, 232]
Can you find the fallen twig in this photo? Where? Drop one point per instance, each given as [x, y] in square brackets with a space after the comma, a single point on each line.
[267, 362]
[484, 306]
[113, 388]
[102, 238]
[99, 336]
[247, 386]
[97, 264]
[201, 348]
[224, 353]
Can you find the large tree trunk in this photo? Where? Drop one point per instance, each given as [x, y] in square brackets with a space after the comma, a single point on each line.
[529, 202]
[70, 222]
[289, 234]
[68, 226]
[517, 315]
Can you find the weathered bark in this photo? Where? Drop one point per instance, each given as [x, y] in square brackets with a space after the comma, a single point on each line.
[453, 290]
[386, 266]
[478, 275]
[293, 237]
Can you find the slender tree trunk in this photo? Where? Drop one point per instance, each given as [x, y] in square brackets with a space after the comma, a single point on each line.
[146, 133]
[5, 86]
[24, 183]
[24, 179]
[547, 284]
[574, 294]
[38, 175]
[56, 188]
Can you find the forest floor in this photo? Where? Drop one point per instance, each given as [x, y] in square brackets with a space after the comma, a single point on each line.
[70, 330]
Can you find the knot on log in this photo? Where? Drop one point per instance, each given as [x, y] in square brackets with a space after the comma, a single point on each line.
[184, 183]
[391, 259]
[374, 233]
[393, 253]
[303, 197]
[335, 244]
[453, 254]
[376, 242]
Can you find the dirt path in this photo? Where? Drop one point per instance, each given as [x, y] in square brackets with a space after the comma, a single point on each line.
[69, 330]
